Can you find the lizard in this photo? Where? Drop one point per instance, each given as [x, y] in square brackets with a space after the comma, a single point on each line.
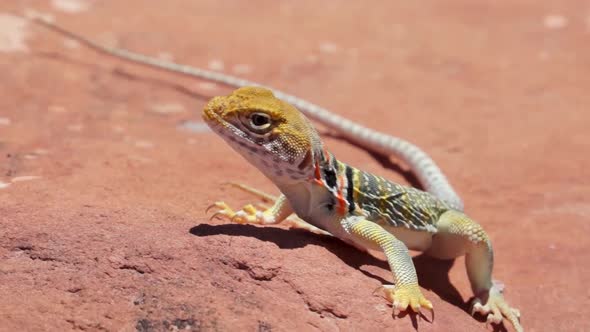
[268, 128]
[426, 170]
[362, 209]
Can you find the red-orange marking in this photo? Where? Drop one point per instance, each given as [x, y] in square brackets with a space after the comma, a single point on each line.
[341, 200]
[318, 175]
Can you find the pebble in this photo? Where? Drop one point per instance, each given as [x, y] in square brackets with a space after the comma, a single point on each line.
[13, 33]
[75, 127]
[241, 69]
[165, 56]
[167, 108]
[118, 129]
[216, 65]
[194, 126]
[144, 144]
[312, 58]
[71, 6]
[71, 44]
[555, 21]
[207, 86]
[25, 178]
[56, 109]
[328, 47]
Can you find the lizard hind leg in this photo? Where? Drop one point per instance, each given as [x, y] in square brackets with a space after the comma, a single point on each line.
[457, 235]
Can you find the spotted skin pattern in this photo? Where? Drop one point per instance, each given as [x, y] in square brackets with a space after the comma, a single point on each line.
[394, 204]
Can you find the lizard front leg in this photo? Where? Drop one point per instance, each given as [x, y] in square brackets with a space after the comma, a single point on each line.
[280, 212]
[405, 292]
[458, 234]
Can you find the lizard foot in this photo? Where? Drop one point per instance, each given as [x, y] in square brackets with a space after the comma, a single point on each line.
[404, 296]
[496, 308]
[247, 215]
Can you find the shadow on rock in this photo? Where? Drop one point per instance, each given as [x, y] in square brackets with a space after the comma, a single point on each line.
[433, 274]
[284, 239]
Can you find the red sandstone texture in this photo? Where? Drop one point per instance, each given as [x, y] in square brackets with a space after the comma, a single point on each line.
[106, 168]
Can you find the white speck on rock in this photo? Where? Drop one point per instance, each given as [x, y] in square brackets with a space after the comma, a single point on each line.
[144, 144]
[31, 13]
[75, 127]
[544, 56]
[555, 21]
[5, 121]
[216, 65]
[328, 47]
[208, 86]
[56, 109]
[241, 69]
[118, 129]
[165, 56]
[167, 108]
[13, 33]
[71, 6]
[194, 126]
[41, 152]
[312, 58]
[382, 308]
[25, 178]
[4, 185]
[71, 44]
[140, 159]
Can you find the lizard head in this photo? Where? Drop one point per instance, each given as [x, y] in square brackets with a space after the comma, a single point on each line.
[271, 134]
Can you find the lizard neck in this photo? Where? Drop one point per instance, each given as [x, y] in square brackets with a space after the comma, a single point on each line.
[329, 186]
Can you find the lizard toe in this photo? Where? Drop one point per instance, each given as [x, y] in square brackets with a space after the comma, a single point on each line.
[496, 309]
[406, 296]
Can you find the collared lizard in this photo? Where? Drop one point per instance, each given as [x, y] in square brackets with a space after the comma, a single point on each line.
[362, 209]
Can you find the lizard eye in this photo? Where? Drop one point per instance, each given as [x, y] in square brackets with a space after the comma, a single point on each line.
[259, 121]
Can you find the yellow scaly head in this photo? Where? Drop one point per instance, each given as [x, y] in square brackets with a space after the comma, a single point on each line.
[273, 135]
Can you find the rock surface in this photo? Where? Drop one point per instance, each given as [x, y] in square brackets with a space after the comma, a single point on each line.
[106, 168]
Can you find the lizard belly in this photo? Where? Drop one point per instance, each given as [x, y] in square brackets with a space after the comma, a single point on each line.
[413, 239]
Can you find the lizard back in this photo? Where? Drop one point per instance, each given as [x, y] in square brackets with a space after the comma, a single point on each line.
[396, 205]
[378, 199]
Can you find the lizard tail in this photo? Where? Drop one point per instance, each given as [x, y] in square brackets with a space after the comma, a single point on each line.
[426, 170]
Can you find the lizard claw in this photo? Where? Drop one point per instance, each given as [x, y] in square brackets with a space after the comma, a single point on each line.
[247, 215]
[496, 308]
[223, 210]
[406, 296]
